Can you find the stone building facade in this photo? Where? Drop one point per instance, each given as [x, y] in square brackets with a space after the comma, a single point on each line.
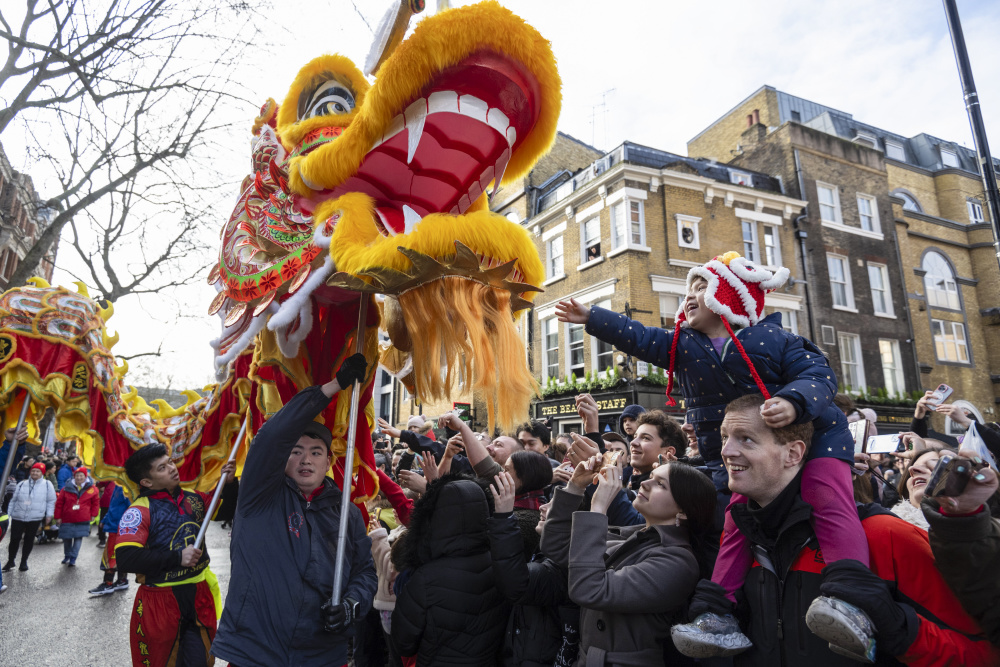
[914, 205]
[22, 218]
[625, 228]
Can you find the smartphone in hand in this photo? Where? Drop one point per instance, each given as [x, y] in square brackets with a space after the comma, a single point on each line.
[939, 396]
[951, 475]
[859, 431]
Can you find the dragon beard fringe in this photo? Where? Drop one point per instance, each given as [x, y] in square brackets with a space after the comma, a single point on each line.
[466, 328]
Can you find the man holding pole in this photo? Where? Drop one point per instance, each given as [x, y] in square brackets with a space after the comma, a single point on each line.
[174, 613]
[284, 544]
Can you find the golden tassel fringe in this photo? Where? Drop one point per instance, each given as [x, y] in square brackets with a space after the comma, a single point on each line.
[467, 328]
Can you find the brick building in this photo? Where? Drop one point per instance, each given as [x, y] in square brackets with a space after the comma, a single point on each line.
[625, 227]
[22, 217]
[897, 241]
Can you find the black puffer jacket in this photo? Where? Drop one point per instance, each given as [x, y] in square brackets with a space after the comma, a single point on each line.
[539, 592]
[450, 611]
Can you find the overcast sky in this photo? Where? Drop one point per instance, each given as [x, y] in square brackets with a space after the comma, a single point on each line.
[673, 68]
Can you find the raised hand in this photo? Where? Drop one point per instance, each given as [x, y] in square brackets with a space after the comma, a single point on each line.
[387, 428]
[609, 483]
[503, 493]
[571, 311]
[581, 449]
[586, 407]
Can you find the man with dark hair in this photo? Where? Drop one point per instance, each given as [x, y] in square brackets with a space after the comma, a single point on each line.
[657, 439]
[535, 436]
[916, 617]
[174, 614]
[66, 471]
[285, 540]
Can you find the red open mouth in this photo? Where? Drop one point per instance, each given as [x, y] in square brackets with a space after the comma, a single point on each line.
[444, 149]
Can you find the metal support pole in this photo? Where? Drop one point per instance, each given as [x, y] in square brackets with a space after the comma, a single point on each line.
[222, 482]
[983, 157]
[13, 445]
[352, 434]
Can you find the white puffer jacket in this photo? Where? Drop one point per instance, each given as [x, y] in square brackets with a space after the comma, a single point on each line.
[32, 501]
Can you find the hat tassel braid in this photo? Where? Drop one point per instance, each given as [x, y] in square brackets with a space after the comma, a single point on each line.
[746, 358]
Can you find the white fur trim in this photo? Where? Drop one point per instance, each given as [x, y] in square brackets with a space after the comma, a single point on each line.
[752, 273]
[907, 512]
[289, 343]
[222, 363]
[288, 310]
[318, 239]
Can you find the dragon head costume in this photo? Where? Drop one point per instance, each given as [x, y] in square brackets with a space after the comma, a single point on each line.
[356, 190]
[384, 189]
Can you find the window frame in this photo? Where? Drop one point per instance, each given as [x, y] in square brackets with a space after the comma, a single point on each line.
[893, 375]
[595, 346]
[883, 272]
[619, 245]
[585, 246]
[571, 368]
[754, 243]
[546, 332]
[943, 151]
[876, 224]
[685, 222]
[890, 146]
[837, 212]
[673, 314]
[943, 341]
[972, 207]
[550, 257]
[773, 229]
[848, 283]
[855, 341]
[950, 280]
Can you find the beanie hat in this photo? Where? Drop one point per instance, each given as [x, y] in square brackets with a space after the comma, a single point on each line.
[40, 466]
[82, 469]
[320, 432]
[632, 411]
[415, 420]
[736, 290]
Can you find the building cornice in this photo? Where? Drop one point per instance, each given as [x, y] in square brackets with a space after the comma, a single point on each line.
[710, 189]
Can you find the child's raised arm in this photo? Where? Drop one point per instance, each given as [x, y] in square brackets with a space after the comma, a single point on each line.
[571, 311]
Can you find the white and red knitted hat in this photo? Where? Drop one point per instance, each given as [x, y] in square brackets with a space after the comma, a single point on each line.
[736, 290]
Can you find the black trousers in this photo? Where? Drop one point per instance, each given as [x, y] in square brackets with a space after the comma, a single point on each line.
[22, 530]
[101, 537]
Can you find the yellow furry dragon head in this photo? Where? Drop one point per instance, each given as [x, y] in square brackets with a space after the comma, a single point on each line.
[385, 189]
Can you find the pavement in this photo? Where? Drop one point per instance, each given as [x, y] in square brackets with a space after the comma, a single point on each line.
[48, 618]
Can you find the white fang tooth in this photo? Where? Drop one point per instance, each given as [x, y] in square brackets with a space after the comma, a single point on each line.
[410, 219]
[396, 126]
[498, 170]
[498, 121]
[385, 223]
[464, 204]
[416, 114]
[511, 136]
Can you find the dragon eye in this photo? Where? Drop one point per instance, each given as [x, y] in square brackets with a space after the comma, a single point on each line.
[329, 99]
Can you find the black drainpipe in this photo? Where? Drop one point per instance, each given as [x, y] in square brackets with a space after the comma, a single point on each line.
[802, 235]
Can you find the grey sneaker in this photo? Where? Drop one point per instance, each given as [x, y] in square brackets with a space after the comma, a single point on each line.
[847, 628]
[103, 589]
[709, 636]
[121, 585]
